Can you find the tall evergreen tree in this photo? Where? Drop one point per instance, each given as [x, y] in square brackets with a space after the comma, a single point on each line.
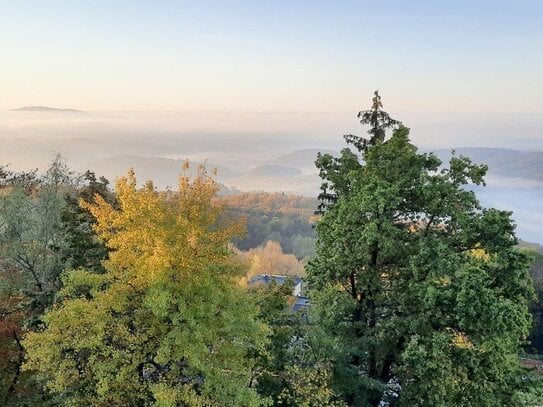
[83, 248]
[419, 290]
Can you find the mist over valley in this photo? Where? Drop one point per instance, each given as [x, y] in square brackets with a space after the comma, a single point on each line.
[266, 151]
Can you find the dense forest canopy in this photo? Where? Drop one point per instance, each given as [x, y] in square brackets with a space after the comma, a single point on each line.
[286, 219]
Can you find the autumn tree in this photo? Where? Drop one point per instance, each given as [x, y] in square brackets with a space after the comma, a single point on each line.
[166, 324]
[419, 291]
[270, 259]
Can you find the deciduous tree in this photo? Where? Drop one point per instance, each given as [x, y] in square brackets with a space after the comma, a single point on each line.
[31, 243]
[166, 324]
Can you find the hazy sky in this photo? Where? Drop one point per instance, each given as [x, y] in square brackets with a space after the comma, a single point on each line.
[320, 56]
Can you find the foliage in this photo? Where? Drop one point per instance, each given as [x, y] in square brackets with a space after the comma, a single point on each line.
[308, 387]
[286, 370]
[273, 304]
[12, 316]
[31, 233]
[419, 289]
[31, 241]
[36, 246]
[286, 219]
[83, 248]
[271, 202]
[27, 180]
[166, 324]
[270, 259]
[536, 307]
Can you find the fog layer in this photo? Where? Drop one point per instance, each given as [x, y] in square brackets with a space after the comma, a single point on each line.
[273, 151]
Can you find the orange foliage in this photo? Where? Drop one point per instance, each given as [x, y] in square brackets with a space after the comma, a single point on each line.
[270, 259]
[271, 202]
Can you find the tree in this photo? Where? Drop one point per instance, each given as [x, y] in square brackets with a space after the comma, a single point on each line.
[274, 309]
[83, 248]
[166, 324]
[270, 259]
[536, 271]
[31, 231]
[287, 370]
[419, 290]
[31, 243]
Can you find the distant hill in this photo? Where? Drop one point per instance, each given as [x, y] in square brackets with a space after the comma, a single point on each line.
[293, 173]
[503, 162]
[302, 159]
[307, 185]
[271, 170]
[534, 246]
[45, 109]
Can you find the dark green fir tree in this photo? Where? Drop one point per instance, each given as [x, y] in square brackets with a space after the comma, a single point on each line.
[419, 292]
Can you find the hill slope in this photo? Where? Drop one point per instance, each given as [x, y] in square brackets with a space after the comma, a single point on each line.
[302, 159]
[504, 162]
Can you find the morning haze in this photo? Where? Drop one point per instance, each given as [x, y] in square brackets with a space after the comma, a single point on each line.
[240, 85]
[271, 203]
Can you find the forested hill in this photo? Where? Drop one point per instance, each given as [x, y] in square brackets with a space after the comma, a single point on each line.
[302, 159]
[501, 162]
[272, 202]
[286, 219]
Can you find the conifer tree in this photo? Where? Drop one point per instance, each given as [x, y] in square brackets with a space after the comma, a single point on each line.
[419, 291]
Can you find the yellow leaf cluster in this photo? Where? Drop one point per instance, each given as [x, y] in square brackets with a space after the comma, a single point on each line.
[150, 233]
[480, 254]
[270, 259]
[460, 340]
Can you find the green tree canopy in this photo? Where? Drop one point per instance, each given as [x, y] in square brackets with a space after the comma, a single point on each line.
[43, 232]
[419, 292]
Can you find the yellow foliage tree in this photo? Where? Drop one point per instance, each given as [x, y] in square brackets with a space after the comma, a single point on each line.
[166, 324]
[270, 259]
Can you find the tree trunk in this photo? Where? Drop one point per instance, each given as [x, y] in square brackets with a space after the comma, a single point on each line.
[19, 363]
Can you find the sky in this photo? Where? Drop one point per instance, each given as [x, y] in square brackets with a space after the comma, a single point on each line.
[455, 57]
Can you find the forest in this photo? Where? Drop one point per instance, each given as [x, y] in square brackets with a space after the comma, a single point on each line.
[133, 296]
